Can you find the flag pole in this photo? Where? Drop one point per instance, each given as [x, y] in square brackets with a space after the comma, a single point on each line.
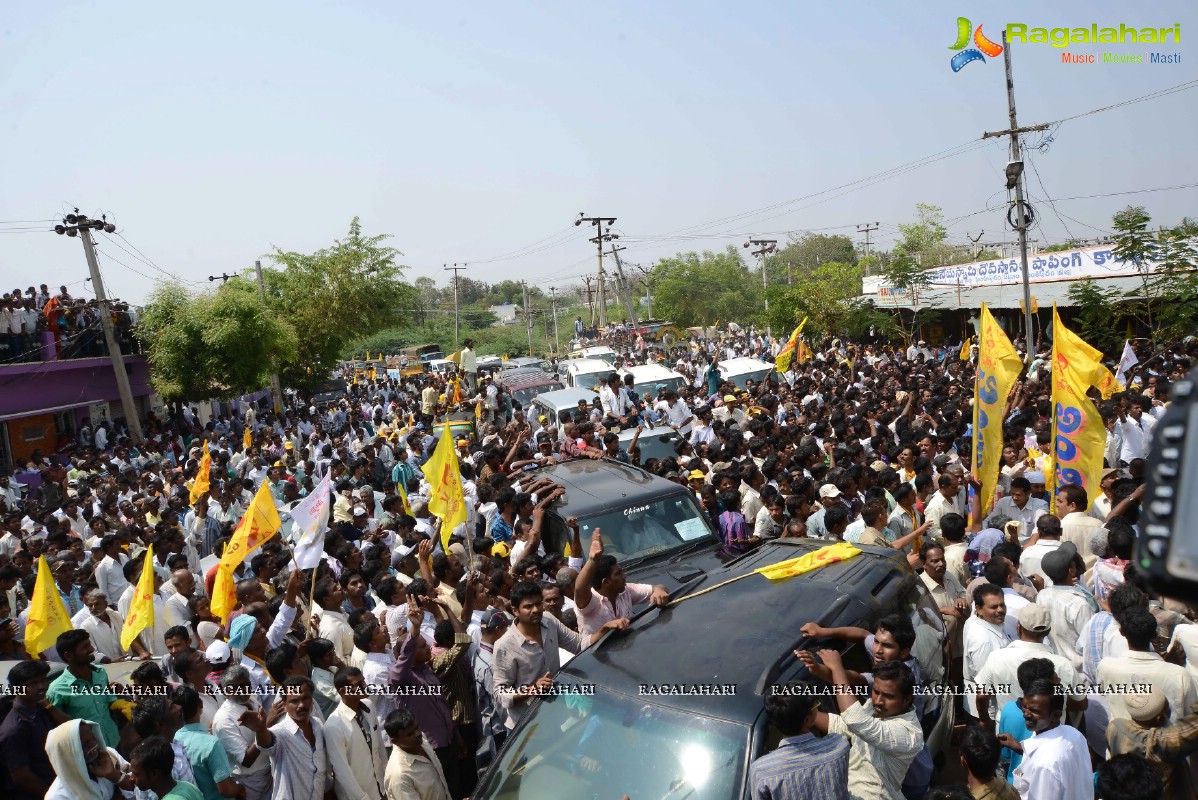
[311, 600]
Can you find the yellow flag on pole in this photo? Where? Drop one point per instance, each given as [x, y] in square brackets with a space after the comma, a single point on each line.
[403, 495]
[47, 614]
[200, 484]
[998, 368]
[247, 441]
[782, 360]
[808, 562]
[261, 521]
[445, 479]
[141, 610]
[1079, 437]
[457, 392]
[804, 354]
[965, 345]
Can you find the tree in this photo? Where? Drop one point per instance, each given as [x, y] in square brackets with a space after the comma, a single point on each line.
[698, 289]
[830, 298]
[336, 295]
[1095, 306]
[427, 297]
[802, 256]
[1135, 245]
[217, 344]
[1175, 282]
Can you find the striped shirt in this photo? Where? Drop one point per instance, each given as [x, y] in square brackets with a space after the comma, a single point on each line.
[803, 767]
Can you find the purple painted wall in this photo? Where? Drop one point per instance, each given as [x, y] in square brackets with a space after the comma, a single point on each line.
[52, 384]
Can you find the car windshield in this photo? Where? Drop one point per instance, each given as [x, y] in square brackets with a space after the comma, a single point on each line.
[644, 529]
[603, 743]
[526, 395]
[650, 388]
[653, 445]
[589, 380]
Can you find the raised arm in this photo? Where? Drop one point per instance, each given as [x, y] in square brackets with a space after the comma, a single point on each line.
[586, 575]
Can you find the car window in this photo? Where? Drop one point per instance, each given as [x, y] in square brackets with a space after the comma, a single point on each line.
[581, 746]
[649, 527]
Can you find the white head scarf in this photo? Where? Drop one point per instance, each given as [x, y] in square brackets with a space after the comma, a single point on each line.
[64, 747]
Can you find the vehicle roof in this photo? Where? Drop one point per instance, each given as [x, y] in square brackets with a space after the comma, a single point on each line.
[522, 361]
[433, 361]
[509, 376]
[742, 633]
[599, 348]
[588, 365]
[596, 486]
[565, 398]
[648, 372]
[744, 364]
[525, 380]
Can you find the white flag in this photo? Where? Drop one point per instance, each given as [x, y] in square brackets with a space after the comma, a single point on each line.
[1126, 362]
[311, 518]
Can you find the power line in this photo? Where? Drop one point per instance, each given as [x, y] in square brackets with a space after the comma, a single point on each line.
[1181, 87]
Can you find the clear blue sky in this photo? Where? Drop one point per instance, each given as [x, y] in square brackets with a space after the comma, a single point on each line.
[471, 130]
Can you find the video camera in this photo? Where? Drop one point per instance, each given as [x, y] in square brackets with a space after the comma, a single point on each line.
[1167, 550]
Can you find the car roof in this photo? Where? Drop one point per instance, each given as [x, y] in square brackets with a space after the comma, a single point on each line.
[648, 372]
[588, 365]
[524, 375]
[743, 633]
[596, 486]
[743, 365]
[565, 398]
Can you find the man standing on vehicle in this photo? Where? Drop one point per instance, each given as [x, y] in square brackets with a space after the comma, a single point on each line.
[602, 592]
[469, 365]
[526, 657]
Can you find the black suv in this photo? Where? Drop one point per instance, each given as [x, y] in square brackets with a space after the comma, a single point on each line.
[654, 527]
[673, 707]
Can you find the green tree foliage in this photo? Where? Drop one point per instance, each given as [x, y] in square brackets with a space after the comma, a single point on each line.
[1096, 311]
[700, 288]
[801, 257]
[830, 298]
[1175, 282]
[338, 294]
[216, 344]
[1136, 245]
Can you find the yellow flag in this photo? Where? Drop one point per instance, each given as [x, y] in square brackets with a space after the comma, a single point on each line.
[247, 441]
[48, 616]
[808, 562]
[445, 480]
[998, 368]
[782, 360]
[1079, 437]
[367, 355]
[457, 391]
[403, 495]
[141, 610]
[455, 357]
[261, 521]
[200, 484]
[804, 354]
[965, 345]
[372, 373]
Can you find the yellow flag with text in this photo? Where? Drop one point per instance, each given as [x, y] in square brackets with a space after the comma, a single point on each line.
[141, 610]
[808, 562]
[782, 360]
[48, 615]
[261, 521]
[445, 479]
[998, 368]
[965, 345]
[1079, 437]
[200, 484]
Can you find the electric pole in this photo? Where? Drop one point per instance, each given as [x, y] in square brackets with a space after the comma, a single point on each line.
[974, 241]
[457, 321]
[764, 248]
[590, 302]
[867, 228]
[276, 388]
[625, 287]
[527, 316]
[78, 225]
[648, 290]
[224, 277]
[1023, 219]
[601, 236]
[557, 344]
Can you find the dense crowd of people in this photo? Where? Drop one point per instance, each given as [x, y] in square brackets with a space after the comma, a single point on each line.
[397, 669]
[37, 325]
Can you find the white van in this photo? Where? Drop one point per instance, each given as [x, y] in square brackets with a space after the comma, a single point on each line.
[584, 373]
[601, 352]
[741, 370]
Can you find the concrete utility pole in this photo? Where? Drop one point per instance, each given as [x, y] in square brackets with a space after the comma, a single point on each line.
[1023, 217]
[457, 321]
[557, 344]
[648, 291]
[527, 316]
[764, 248]
[625, 287]
[78, 225]
[867, 228]
[589, 301]
[276, 388]
[600, 237]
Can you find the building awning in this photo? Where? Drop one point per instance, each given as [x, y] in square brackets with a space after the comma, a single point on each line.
[33, 412]
[1006, 295]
